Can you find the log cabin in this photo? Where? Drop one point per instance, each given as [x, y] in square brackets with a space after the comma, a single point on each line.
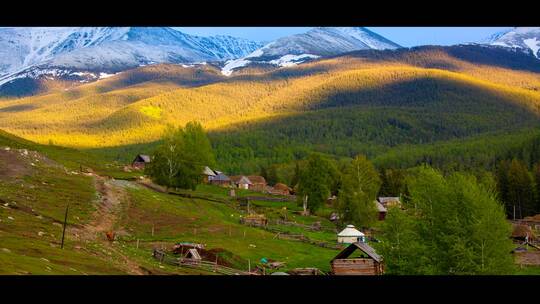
[367, 263]
[140, 161]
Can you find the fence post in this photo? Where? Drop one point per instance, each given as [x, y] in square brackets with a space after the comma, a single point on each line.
[137, 243]
[64, 229]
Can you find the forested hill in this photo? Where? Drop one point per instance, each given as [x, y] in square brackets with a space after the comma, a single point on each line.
[370, 102]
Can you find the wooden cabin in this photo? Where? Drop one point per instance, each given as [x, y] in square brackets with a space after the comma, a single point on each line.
[208, 174]
[192, 257]
[280, 189]
[368, 262]
[522, 232]
[241, 181]
[533, 222]
[140, 161]
[381, 211]
[331, 201]
[389, 201]
[258, 183]
[254, 220]
[180, 248]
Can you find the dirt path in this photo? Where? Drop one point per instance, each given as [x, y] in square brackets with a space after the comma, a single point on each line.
[112, 198]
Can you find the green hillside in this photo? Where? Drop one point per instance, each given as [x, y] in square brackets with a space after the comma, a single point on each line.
[35, 191]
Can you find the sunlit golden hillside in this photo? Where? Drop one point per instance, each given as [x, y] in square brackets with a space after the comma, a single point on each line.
[134, 106]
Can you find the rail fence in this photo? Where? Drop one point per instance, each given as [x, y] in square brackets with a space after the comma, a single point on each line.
[208, 266]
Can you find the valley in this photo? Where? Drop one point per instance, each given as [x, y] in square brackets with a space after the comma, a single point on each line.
[461, 121]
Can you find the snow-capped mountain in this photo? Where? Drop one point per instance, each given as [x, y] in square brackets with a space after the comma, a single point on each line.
[26, 52]
[326, 41]
[526, 38]
[318, 42]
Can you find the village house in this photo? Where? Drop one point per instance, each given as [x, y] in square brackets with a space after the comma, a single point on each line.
[258, 183]
[241, 181]
[532, 221]
[367, 263]
[331, 201]
[381, 211]
[279, 189]
[221, 180]
[208, 174]
[521, 232]
[350, 235]
[140, 161]
[389, 201]
[334, 217]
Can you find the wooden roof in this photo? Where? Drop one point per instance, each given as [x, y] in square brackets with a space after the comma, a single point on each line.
[363, 247]
[221, 177]
[380, 207]
[240, 179]
[282, 187]
[257, 179]
[142, 158]
[521, 231]
[208, 171]
[193, 254]
[534, 218]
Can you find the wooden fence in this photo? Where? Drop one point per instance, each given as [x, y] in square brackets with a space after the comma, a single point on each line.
[269, 199]
[280, 235]
[208, 266]
[307, 227]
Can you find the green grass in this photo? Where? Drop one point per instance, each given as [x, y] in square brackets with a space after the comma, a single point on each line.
[528, 270]
[72, 159]
[217, 225]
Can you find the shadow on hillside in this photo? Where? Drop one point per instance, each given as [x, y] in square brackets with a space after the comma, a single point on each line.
[474, 54]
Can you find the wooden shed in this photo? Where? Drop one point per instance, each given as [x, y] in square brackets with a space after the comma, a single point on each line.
[381, 210]
[258, 183]
[388, 201]
[208, 174]
[281, 189]
[522, 232]
[367, 263]
[140, 161]
[192, 257]
[241, 181]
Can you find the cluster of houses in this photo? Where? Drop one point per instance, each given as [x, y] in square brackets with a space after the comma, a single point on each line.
[251, 182]
[358, 258]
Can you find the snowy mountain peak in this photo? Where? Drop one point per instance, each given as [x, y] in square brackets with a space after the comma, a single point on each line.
[119, 47]
[526, 38]
[317, 42]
